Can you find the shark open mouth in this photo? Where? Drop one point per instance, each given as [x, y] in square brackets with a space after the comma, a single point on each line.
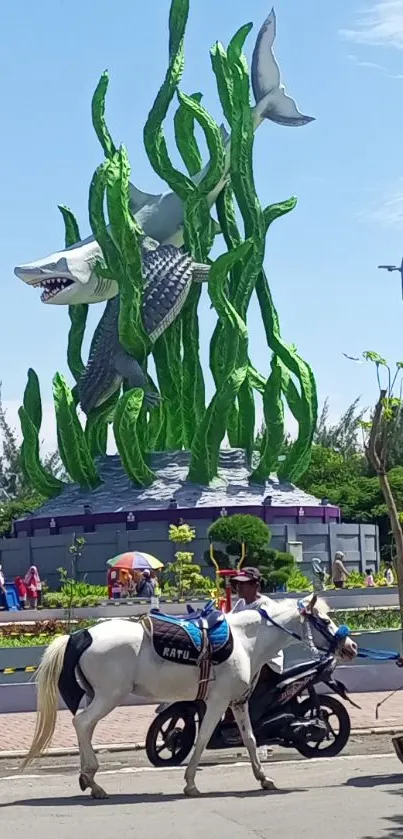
[53, 286]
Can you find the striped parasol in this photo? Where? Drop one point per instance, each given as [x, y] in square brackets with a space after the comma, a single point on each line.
[135, 561]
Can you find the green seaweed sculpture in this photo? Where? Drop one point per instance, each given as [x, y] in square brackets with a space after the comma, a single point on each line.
[113, 264]
[30, 415]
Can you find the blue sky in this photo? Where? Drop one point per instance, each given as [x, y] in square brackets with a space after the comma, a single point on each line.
[343, 62]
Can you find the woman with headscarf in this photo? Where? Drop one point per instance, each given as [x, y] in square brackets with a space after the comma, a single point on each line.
[34, 586]
[145, 587]
[3, 593]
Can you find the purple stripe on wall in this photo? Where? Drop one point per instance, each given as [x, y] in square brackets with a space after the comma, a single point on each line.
[271, 515]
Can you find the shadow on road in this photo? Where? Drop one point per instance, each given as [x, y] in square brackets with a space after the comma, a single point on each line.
[393, 828]
[139, 798]
[392, 825]
[365, 781]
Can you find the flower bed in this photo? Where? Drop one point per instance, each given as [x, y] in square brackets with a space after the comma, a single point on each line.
[368, 618]
[39, 633]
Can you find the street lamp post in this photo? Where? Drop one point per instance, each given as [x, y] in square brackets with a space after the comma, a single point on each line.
[391, 268]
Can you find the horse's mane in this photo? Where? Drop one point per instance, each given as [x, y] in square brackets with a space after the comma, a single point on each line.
[285, 602]
[281, 607]
[320, 604]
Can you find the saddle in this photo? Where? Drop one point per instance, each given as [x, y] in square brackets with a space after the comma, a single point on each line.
[199, 639]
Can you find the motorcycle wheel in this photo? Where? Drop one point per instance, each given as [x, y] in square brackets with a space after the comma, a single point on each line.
[328, 708]
[167, 735]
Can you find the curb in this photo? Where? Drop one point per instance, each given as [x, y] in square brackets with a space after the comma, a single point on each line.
[73, 750]
[137, 747]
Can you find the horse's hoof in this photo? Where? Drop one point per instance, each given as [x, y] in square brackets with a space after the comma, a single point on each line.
[191, 791]
[268, 784]
[98, 793]
[82, 780]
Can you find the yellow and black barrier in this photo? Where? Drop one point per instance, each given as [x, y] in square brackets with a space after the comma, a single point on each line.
[9, 671]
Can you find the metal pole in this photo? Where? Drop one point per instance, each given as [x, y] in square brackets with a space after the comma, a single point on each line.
[392, 268]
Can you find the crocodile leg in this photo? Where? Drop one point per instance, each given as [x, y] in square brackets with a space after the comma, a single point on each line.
[128, 368]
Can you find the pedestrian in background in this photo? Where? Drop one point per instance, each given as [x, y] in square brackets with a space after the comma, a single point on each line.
[21, 591]
[369, 578]
[3, 593]
[31, 582]
[389, 575]
[339, 570]
[112, 579]
[145, 587]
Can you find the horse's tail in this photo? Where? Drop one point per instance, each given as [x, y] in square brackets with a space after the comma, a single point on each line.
[48, 675]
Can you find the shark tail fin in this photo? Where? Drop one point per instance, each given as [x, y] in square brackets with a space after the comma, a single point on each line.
[272, 101]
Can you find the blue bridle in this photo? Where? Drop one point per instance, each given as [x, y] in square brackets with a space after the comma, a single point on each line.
[334, 641]
[321, 626]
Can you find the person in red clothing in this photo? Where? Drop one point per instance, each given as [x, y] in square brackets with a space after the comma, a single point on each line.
[114, 584]
[31, 582]
[22, 591]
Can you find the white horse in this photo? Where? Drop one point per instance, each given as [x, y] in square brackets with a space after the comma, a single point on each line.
[121, 660]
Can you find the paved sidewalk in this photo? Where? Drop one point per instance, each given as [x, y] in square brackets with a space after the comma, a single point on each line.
[128, 725]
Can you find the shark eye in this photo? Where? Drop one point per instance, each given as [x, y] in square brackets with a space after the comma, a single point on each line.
[93, 260]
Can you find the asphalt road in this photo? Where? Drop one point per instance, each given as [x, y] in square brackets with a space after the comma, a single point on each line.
[356, 797]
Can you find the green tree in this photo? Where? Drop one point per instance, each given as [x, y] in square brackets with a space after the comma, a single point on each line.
[380, 432]
[275, 567]
[187, 576]
[345, 435]
[76, 552]
[233, 531]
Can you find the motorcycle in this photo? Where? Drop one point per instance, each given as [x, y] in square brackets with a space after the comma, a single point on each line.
[282, 716]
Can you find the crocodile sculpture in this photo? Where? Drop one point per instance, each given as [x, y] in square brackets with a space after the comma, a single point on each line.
[168, 275]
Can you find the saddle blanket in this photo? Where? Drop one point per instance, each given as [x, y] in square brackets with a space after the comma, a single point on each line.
[181, 640]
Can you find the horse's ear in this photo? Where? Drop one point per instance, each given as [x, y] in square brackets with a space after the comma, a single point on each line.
[312, 603]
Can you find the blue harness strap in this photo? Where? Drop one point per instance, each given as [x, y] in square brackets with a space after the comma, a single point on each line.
[378, 655]
[271, 620]
[333, 640]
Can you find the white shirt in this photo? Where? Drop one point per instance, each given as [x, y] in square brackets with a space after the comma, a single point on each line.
[389, 577]
[2, 579]
[276, 663]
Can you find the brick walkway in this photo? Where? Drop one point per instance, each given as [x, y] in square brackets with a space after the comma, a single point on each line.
[129, 725]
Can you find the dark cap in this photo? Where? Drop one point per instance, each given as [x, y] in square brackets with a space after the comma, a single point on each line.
[248, 575]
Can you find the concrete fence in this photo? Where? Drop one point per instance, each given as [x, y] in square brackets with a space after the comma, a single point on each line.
[366, 598]
[309, 539]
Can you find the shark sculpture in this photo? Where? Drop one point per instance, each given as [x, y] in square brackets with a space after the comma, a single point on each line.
[68, 277]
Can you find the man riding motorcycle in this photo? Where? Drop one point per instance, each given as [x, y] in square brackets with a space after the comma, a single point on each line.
[248, 585]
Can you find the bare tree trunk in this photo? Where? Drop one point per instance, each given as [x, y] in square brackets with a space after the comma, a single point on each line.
[376, 455]
[398, 537]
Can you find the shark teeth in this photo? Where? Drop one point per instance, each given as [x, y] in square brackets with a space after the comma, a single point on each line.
[53, 286]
